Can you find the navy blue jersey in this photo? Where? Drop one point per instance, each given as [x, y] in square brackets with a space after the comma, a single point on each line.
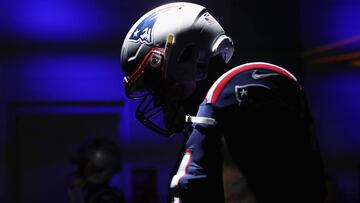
[260, 112]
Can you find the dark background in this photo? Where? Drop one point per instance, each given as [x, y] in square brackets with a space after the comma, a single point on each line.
[61, 83]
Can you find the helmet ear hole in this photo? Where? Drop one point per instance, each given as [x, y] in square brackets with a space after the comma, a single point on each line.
[155, 60]
[188, 54]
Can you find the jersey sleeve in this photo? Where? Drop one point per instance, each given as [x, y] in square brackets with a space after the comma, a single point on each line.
[199, 176]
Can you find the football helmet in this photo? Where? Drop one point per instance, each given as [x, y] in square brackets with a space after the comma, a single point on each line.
[163, 56]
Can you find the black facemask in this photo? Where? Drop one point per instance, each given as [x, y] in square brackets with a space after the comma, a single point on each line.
[173, 116]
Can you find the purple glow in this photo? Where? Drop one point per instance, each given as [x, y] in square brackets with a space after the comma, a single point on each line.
[63, 77]
[62, 19]
[324, 22]
[334, 99]
[345, 20]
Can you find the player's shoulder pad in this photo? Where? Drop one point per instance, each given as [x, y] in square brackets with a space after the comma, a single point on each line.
[215, 90]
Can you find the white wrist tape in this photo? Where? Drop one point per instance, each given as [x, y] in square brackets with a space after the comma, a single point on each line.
[200, 120]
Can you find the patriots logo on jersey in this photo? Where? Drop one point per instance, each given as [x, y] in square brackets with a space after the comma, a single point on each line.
[242, 91]
[143, 31]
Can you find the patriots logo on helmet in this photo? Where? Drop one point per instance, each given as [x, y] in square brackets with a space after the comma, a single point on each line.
[142, 32]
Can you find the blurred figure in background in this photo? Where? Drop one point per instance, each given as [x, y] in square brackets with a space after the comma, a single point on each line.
[96, 162]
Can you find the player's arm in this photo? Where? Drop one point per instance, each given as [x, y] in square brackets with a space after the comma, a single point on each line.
[199, 176]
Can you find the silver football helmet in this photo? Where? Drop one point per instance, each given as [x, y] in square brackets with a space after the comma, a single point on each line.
[163, 55]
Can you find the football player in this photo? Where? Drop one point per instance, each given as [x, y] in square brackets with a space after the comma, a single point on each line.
[174, 59]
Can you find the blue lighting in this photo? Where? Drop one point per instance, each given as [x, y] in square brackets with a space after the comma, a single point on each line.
[66, 77]
[334, 99]
[345, 20]
[324, 22]
[62, 19]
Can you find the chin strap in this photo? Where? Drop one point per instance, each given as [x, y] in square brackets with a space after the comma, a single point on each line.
[200, 120]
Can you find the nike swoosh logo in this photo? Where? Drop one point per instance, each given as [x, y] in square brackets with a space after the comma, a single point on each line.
[257, 76]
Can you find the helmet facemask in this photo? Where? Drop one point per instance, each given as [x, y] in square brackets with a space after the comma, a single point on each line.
[134, 84]
[170, 95]
[166, 96]
[158, 93]
[170, 106]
